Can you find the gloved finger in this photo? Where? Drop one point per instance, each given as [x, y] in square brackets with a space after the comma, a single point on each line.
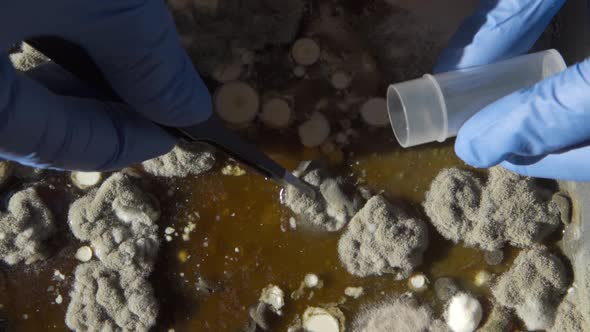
[136, 45]
[548, 117]
[570, 166]
[61, 82]
[42, 129]
[498, 29]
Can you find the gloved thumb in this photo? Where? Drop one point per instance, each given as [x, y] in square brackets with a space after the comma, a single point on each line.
[545, 118]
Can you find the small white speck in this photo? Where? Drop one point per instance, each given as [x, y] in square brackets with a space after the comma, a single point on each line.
[25, 316]
[205, 244]
[354, 292]
[237, 249]
[58, 276]
[59, 299]
[168, 238]
[169, 230]
[311, 280]
[181, 274]
[418, 282]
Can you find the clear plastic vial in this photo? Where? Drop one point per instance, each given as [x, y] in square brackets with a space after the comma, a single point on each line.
[434, 107]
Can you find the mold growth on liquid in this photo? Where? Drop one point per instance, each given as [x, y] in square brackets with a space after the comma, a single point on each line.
[24, 228]
[508, 209]
[333, 205]
[382, 239]
[119, 222]
[186, 159]
[393, 240]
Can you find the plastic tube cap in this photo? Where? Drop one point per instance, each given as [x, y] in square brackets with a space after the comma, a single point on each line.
[433, 108]
[417, 111]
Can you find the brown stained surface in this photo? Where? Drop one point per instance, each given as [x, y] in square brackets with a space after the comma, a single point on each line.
[245, 213]
[242, 241]
[269, 255]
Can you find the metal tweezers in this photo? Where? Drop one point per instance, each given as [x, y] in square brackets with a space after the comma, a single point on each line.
[75, 60]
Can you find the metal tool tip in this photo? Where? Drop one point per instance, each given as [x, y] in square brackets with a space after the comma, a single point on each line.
[299, 185]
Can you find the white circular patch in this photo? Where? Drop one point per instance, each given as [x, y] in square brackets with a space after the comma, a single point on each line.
[319, 320]
[305, 51]
[314, 131]
[237, 103]
[85, 180]
[276, 113]
[84, 254]
[374, 112]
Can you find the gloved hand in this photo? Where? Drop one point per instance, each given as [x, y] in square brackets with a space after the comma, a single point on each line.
[135, 44]
[542, 131]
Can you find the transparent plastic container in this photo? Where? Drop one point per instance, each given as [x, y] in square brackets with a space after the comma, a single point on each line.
[434, 107]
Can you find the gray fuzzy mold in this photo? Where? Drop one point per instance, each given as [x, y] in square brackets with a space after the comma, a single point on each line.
[184, 160]
[499, 320]
[104, 299]
[533, 287]
[508, 209]
[332, 207]
[569, 317]
[573, 313]
[118, 220]
[24, 227]
[399, 315]
[382, 239]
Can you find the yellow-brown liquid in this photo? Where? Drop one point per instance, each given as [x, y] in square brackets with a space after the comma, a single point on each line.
[242, 243]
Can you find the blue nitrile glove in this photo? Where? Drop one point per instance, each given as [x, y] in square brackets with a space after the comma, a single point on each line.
[135, 44]
[542, 131]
